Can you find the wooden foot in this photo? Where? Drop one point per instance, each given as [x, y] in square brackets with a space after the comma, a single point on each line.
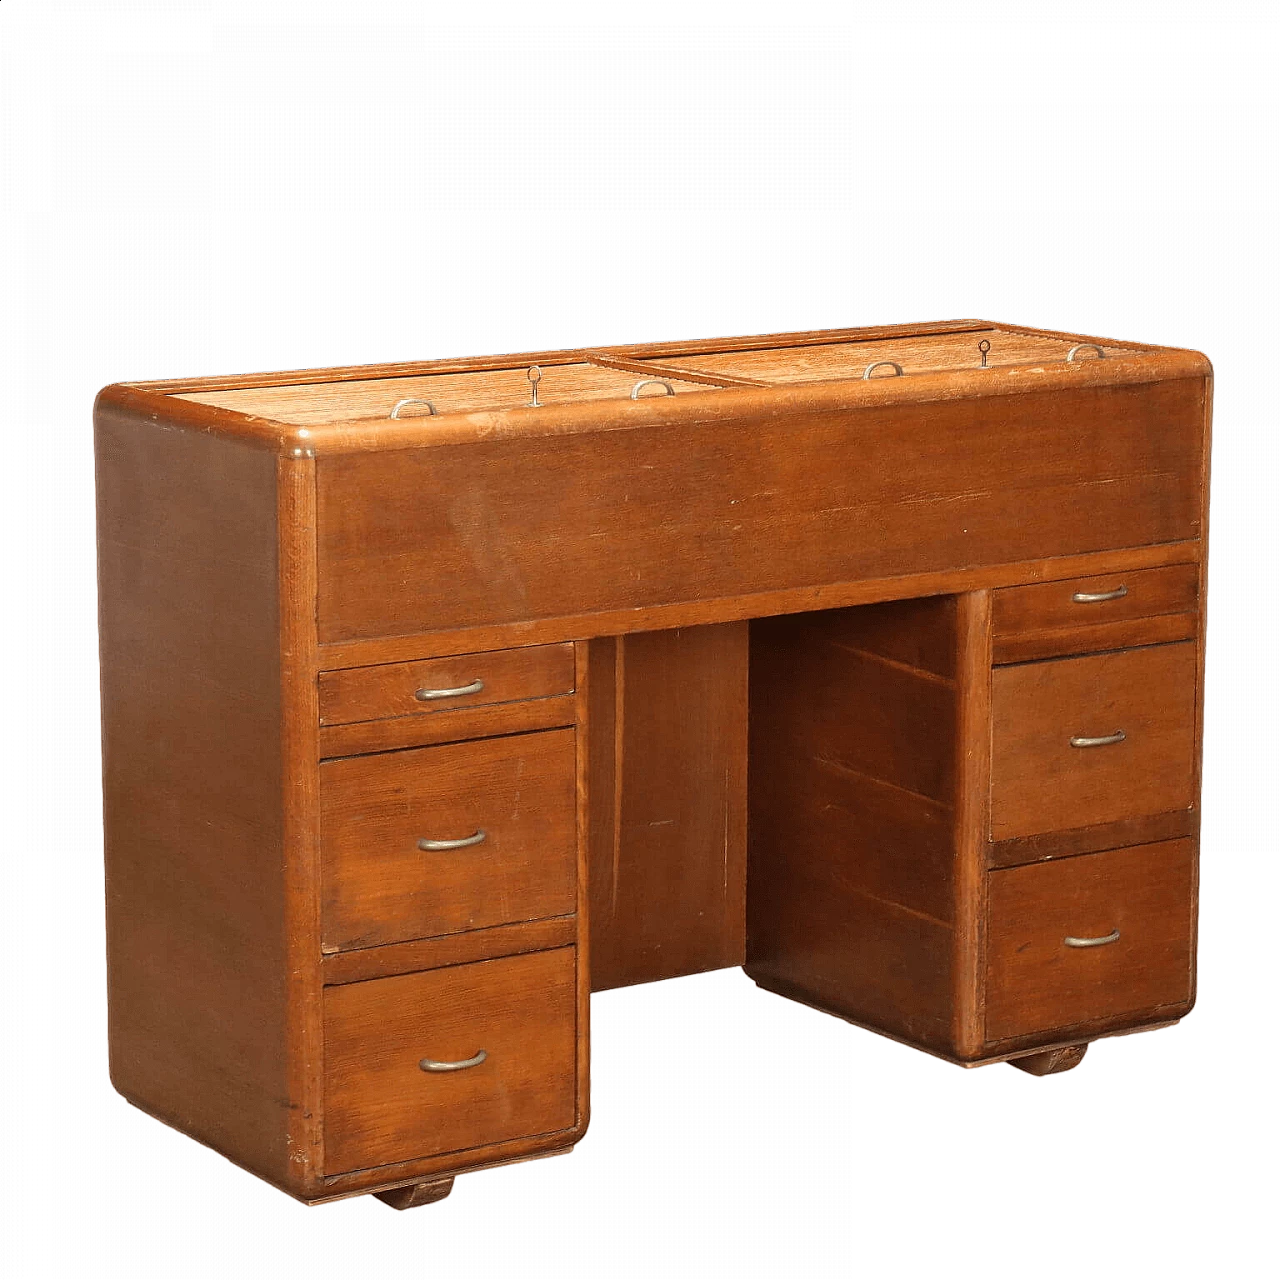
[1051, 1061]
[412, 1196]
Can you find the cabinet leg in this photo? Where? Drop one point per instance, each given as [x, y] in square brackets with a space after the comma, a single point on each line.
[1051, 1061]
[412, 1196]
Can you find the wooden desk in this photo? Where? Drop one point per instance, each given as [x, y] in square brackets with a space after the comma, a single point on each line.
[421, 725]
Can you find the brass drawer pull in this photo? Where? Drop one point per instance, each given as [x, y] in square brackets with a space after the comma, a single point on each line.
[430, 1064]
[400, 404]
[651, 382]
[1085, 346]
[430, 695]
[1108, 740]
[1097, 597]
[443, 846]
[1113, 936]
[882, 364]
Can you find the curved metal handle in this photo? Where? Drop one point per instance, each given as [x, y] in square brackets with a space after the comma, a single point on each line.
[1086, 346]
[535, 376]
[1097, 597]
[1108, 740]
[430, 695]
[400, 404]
[1113, 936]
[882, 364]
[430, 1064]
[651, 382]
[443, 846]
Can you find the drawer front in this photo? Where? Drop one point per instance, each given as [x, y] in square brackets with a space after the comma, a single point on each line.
[1041, 782]
[445, 684]
[382, 1107]
[1037, 981]
[1082, 615]
[381, 885]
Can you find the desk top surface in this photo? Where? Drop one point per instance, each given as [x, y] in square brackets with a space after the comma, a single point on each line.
[445, 401]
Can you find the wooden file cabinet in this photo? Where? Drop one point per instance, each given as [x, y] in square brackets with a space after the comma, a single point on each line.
[437, 696]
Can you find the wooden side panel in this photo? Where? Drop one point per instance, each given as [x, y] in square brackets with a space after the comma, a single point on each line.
[527, 528]
[668, 735]
[851, 895]
[197, 922]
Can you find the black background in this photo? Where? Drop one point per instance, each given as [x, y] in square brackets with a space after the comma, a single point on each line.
[708, 1097]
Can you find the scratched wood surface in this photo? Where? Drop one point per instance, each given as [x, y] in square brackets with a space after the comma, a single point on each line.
[668, 724]
[664, 515]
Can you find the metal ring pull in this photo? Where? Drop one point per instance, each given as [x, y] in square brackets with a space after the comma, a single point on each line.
[1113, 936]
[400, 404]
[1097, 597]
[1086, 346]
[443, 846]
[430, 1064]
[1108, 740]
[430, 695]
[882, 364]
[535, 376]
[651, 382]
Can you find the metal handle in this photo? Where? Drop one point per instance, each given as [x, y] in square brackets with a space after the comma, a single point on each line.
[651, 382]
[400, 404]
[430, 695]
[535, 376]
[882, 364]
[1086, 346]
[443, 846]
[1109, 740]
[430, 1064]
[1097, 597]
[1113, 936]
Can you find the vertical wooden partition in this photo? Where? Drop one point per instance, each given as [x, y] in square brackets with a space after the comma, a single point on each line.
[856, 888]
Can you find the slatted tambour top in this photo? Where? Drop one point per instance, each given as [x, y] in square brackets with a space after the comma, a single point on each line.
[311, 403]
[932, 353]
[567, 378]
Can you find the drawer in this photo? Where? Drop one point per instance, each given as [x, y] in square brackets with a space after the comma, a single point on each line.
[445, 684]
[381, 885]
[1041, 782]
[1083, 615]
[1037, 981]
[382, 1106]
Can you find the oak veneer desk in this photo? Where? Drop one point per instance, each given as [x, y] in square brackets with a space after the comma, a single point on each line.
[887, 688]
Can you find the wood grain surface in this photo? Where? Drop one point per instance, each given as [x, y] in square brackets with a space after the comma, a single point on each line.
[668, 716]
[381, 1107]
[1036, 983]
[193, 789]
[1041, 783]
[509, 675]
[850, 893]
[381, 887]
[662, 514]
